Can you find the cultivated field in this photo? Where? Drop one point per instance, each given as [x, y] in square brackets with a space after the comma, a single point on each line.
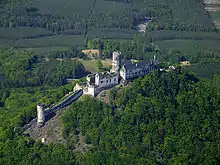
[189, 46]
[49, 41]
[170, 35]
[23, 33]
[206, 70]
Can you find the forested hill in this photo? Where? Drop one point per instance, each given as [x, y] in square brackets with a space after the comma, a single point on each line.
[163, 118]
[59, 16]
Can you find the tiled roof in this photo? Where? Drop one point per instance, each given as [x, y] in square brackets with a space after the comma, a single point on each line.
[130, 66]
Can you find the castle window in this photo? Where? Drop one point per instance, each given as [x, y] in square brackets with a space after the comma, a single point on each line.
[115, 79]
[110, 80]
[107, 81]
[101, 82]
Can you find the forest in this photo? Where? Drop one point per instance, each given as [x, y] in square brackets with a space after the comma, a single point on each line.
[161, 118]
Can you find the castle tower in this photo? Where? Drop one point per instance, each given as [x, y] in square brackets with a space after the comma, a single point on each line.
[40, 113]
[116, 62]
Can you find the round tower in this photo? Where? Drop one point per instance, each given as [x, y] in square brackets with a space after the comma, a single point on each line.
[116, 61]
[40, 113]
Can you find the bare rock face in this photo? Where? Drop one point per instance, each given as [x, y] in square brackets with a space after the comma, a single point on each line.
[49, 132]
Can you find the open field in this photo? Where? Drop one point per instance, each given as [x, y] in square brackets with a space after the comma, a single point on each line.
[91, 65]
[206, 70]
[50, 41]
[170, 35]
[189, 46]
[111, 33]
[23, 32]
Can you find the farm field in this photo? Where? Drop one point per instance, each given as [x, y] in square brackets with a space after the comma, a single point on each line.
[170, 35]
[205, 70]
[189, 46]
[23, 32]
[50, 41]
[111, 33]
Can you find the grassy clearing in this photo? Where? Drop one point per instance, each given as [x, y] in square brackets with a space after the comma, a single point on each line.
[91, 65]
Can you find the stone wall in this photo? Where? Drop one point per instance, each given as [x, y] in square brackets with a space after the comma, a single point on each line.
[66, 102]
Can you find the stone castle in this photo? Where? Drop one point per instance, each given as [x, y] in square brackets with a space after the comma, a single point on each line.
[96, 83]
[120, 72]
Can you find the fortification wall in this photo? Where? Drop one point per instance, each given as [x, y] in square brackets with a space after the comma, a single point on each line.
[66, 102]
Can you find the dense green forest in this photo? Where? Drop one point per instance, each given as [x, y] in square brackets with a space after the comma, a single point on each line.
[163, 118]
[23, 69]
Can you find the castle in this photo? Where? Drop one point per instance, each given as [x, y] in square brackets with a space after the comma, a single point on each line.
[124, 72]
[96, 83]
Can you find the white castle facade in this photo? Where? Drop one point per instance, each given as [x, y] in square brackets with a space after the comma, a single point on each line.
[127, 71]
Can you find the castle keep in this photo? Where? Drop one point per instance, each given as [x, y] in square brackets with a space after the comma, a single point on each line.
[125, 71]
